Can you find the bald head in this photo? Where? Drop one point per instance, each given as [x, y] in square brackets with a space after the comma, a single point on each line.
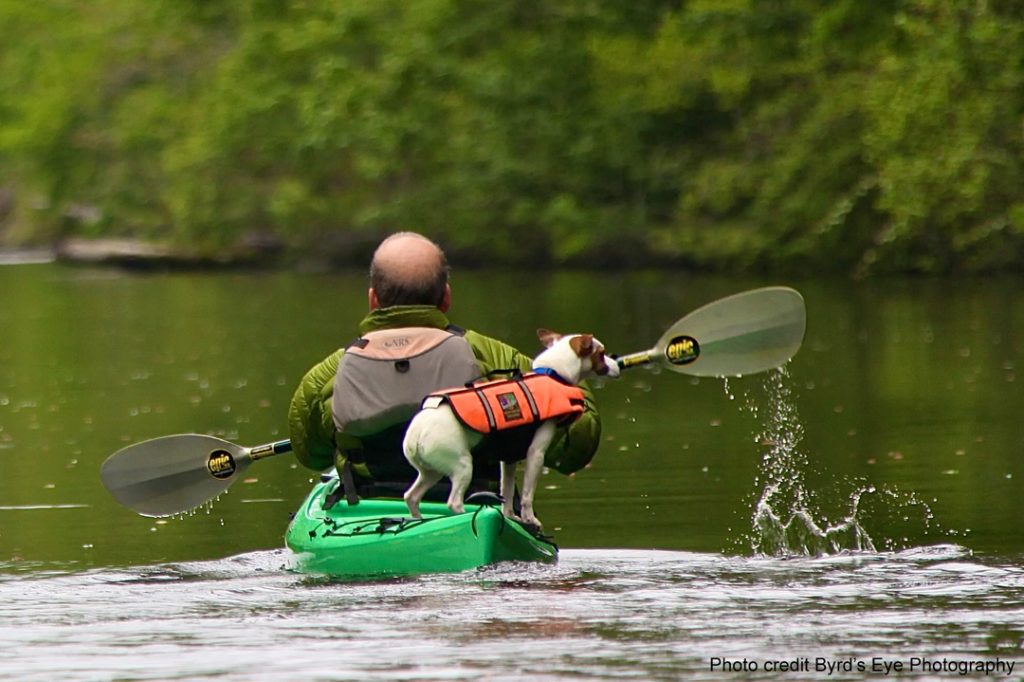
[408, 269]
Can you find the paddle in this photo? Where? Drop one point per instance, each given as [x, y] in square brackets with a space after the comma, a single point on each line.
[741, 334]
[172, 474]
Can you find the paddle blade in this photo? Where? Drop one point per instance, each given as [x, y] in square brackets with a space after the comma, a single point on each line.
[173, 474]
[742, 334]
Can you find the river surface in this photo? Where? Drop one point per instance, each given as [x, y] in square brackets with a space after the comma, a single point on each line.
[854, 515]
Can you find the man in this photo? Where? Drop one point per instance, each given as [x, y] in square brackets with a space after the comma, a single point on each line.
[352, 409]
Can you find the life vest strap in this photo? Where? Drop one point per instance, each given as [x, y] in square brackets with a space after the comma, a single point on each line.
[492, 423]
[530, 400]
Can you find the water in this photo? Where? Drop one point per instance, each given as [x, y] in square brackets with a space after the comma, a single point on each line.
[598, 614]
[859, 508]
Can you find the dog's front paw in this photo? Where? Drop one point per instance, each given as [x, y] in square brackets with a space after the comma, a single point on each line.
[531, 520]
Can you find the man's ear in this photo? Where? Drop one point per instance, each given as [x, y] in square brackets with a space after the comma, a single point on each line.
[446, 301]
[547, 337]
[371, 299]
[582, 345]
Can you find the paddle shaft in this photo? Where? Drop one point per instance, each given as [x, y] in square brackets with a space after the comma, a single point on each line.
[635, 359]
[270, 449]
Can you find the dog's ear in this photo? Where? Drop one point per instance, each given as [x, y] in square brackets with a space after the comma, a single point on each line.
[582, 345]
[547, 337]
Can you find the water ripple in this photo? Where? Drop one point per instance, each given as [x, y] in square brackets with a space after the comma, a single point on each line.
[598, 614]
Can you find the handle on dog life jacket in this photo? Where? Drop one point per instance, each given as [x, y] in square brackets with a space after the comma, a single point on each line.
[511, 373]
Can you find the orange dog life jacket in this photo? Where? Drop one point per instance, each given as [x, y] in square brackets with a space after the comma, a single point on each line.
[508, 403]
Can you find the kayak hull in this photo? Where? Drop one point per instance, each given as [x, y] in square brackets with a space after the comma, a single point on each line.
[377, 537]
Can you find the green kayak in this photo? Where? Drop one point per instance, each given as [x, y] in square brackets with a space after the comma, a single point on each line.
[377, 537]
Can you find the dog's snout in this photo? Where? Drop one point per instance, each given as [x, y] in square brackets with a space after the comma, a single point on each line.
[605, 365]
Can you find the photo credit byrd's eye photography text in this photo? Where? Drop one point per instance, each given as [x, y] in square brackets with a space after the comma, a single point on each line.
[868, 665]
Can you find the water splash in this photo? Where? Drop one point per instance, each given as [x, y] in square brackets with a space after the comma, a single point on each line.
[785, 520]
[801, 535]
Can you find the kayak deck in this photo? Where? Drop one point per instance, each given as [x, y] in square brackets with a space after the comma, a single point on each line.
[377, 537]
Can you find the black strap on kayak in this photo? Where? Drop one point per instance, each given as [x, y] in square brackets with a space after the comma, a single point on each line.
[348, 482]
[485, 499]
[347, 487]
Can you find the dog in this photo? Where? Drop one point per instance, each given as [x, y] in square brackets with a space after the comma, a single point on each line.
[437, 443]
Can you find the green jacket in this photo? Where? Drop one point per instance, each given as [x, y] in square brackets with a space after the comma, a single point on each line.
[313, 435]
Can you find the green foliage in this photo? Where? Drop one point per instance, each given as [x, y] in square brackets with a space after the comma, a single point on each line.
[945, 137]
[848, 136]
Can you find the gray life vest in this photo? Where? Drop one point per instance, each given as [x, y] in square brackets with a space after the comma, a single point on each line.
[384, 375]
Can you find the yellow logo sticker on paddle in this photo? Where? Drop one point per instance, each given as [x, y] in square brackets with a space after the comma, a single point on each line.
[221, 464]
[682, 350]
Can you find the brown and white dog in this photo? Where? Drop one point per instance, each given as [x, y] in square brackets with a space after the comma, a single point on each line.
[437, 444]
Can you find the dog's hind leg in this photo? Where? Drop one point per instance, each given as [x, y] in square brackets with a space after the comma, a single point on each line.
[508, 488]
[461, 475]
[414, 495]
